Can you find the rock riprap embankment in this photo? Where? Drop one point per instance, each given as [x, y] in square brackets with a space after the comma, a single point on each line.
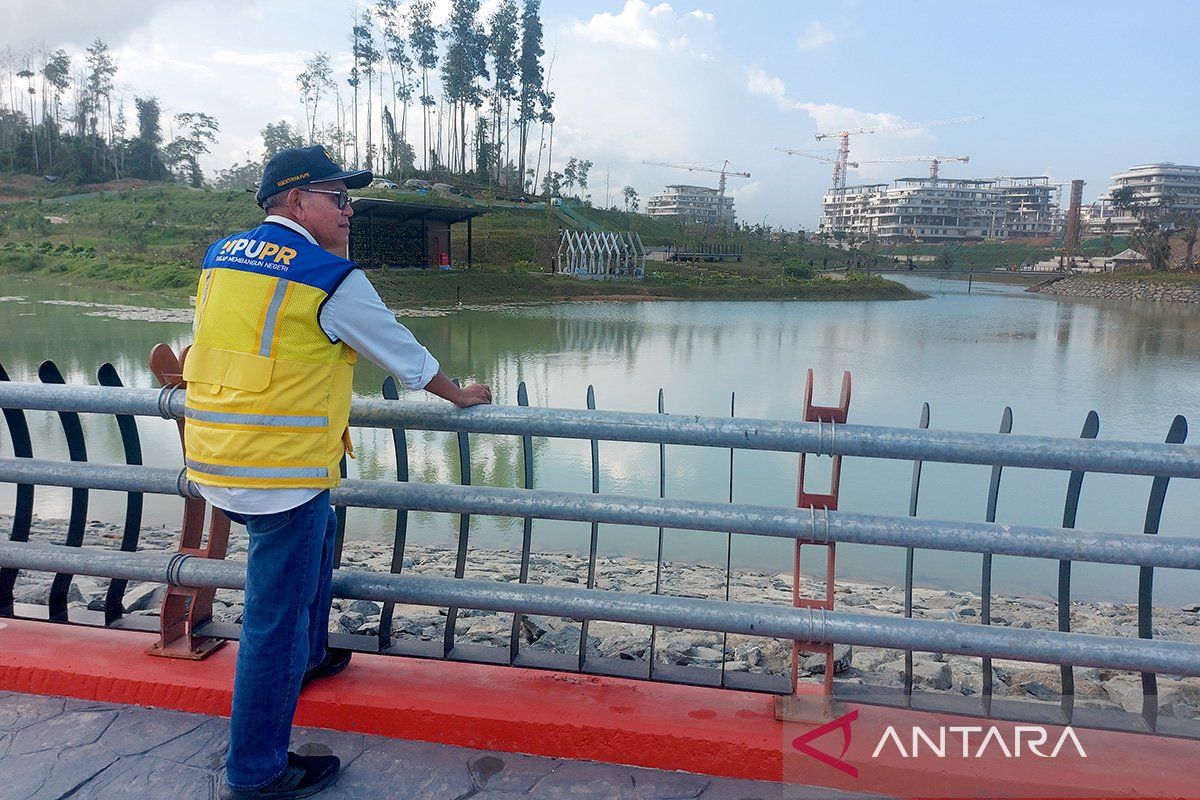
[876, 666]
[1121, 289]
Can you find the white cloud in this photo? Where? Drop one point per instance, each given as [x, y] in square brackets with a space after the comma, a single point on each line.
[815, 36]
[759, 81]
[900, 138]
[71, 22]
[652, 28]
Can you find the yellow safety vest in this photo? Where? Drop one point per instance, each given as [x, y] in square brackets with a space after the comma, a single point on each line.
[268, 393]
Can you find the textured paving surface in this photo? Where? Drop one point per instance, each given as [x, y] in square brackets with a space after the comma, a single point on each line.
[51, 747]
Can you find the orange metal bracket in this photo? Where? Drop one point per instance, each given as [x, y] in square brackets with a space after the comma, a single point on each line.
[185, 610]
[822, 502]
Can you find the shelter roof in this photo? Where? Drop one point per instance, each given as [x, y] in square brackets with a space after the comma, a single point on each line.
[1129, 255]
[402, 212]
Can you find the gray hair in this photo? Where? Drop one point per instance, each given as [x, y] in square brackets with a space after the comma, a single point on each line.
[274, 200]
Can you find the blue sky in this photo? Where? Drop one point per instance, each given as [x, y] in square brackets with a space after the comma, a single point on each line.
[1066, 89]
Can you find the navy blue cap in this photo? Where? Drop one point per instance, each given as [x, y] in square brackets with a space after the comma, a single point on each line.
[299, 166]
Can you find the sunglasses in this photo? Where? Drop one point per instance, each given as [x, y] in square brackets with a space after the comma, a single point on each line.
[343, 197]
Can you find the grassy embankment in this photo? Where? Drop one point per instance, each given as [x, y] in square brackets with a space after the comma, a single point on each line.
[150, 237]
[994, 255]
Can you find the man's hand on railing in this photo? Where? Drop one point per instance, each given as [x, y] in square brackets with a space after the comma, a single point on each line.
[473, 395]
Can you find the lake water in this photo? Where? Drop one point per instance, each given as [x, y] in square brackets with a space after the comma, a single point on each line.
[968, 355]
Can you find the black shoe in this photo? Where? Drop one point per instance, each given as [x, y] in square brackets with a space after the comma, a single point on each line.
[304, 776]
[334, 662]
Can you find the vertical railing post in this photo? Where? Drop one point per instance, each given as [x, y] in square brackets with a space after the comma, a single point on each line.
[594, 541]
[22, 447]
[60, 586]
[658, 559]
[728, 548]
[514, 641]
[132, 445]
[1091, 428]
[185, 610]
[464, 533]
[985, 591]
[909, 557]
[400, 535]
[1158, 496]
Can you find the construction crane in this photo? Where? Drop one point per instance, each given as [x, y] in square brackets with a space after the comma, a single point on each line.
[843, 157]
[934, 161]
[723, 171]
[816, 156]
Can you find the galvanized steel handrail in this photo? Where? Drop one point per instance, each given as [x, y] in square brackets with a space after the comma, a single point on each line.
[754, 619]
[820, 526]
[870, 441]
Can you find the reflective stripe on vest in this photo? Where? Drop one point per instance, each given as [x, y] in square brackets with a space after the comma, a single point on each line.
[269, 324]
[256, 472]
[264, 420]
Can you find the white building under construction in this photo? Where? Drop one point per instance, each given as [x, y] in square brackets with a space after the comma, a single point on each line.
[695, 205]
[944, 209]
[1174, 188]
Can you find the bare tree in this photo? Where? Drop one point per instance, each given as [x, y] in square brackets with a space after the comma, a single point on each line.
[314, 81]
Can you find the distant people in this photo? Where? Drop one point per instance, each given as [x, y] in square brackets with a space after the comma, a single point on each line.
[280, 318]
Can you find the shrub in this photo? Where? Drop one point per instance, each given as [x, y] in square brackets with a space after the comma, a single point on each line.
[798, 269]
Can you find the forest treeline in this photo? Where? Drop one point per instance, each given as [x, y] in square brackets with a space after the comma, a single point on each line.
[467, 98]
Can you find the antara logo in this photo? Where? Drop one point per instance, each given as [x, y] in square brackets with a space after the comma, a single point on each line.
[1032, 736]
[842, 723]
[252, 248]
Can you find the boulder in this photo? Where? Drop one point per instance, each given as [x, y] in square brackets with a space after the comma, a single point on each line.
[933, 675]
[843, 655]
[364, 607]
[145, 597]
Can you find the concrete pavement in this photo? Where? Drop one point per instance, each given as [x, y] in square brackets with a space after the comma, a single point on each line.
[53, 748]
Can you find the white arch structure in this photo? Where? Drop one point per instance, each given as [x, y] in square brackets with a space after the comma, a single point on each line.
[601, 254]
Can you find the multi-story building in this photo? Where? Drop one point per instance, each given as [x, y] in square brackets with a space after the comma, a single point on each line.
[1171, 187]
[697, 205]
[1031, 207]
[943, 209]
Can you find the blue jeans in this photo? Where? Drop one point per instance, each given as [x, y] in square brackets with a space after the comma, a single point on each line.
[285, 624]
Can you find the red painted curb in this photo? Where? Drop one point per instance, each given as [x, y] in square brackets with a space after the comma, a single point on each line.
[708, 731]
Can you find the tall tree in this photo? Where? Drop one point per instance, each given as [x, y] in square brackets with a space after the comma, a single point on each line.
[28, 74]
[101, 70]
[197, 132]
[530, 71]
[464, 64]
[279, 136]
[315, 80]
[630, 196]
[56, 76]
[398, 58]
[422, 37]
[144, 159]
[502, 49]
[1187, 227]
[366, 61]
[1152, 235]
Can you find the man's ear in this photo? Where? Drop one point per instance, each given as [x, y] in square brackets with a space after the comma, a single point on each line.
[292, 202]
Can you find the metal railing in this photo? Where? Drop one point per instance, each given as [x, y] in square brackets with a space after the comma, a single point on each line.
[1066, 544]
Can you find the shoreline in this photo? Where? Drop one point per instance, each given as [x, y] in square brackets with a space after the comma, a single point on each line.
[1165, 288]
[504, 289]
[932, 672]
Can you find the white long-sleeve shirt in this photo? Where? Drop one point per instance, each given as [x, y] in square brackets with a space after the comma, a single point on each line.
[356, 315]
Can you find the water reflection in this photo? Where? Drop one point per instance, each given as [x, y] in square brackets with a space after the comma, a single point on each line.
[968, 355]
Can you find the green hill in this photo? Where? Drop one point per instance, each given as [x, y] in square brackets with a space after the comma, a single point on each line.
[153, 236]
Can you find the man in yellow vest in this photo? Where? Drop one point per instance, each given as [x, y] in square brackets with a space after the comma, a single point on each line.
[281, 315]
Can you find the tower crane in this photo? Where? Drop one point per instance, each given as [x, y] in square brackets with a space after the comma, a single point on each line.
[816, 156]
[723, 171]
[934, 161]
[843, 158]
